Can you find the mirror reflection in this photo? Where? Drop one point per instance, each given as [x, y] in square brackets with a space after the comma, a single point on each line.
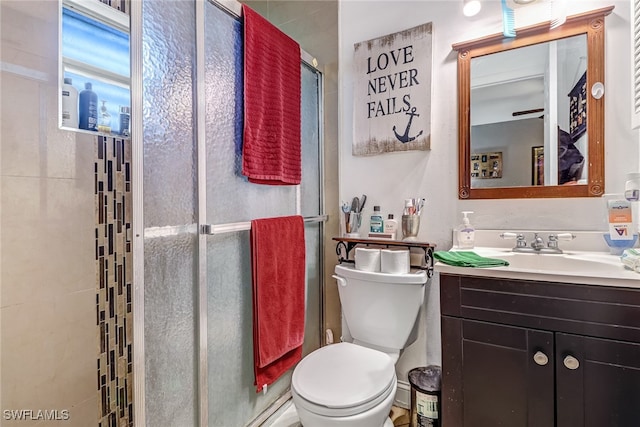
[95, 68]
[528, 115]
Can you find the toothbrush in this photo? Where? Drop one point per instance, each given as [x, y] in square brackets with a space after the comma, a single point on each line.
[345, 210]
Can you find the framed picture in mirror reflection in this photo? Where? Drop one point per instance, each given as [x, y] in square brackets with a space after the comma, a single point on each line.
[578, 108]
[486, 165]
[537, 165]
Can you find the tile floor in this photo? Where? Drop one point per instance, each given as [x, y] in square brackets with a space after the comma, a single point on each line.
[289, 417]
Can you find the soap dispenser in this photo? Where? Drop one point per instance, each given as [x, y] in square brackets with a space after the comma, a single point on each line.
[466, 233]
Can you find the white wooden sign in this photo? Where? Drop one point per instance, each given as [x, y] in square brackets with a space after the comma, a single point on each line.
[392, 93]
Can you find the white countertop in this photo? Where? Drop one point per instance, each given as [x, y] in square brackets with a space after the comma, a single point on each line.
[586, 260]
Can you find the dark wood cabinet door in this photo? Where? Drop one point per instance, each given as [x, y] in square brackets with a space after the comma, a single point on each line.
[598, 382]
[505, 383]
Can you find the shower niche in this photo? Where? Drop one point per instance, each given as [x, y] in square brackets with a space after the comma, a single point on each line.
[94, 68]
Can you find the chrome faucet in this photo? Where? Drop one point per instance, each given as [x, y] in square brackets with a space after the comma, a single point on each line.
[538, 242]
[538, 245]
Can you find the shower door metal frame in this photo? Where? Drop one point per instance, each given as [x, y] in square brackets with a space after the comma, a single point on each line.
[137, 182]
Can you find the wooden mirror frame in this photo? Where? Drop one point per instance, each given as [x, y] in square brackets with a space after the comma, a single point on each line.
[589, 23]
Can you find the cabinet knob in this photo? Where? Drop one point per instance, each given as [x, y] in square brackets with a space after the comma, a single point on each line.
[571, 362]
[540, 358]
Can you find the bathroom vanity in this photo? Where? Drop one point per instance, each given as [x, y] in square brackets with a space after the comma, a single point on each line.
[551, 340]
[527, 353]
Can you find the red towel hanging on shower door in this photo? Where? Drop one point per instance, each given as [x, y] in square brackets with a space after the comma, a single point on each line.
[278, 275]
[271, 152]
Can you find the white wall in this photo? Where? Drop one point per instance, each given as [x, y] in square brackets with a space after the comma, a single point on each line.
[388, 179]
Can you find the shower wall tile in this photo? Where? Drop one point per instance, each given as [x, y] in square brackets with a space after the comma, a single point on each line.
[37, 215]
[45, 351]
[305, 30]
[281, 12]
[20, 102]
[114, 294]
[82, 411]
[332, 227]
[21, 20]
[38, 150]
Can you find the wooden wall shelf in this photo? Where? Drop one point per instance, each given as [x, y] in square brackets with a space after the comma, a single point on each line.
[346, 244]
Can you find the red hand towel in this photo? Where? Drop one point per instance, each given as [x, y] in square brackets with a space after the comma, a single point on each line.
[278, 273]
[272, 87]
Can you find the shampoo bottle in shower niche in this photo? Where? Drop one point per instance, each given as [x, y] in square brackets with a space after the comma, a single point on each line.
[125, 117]
[88, 109]
[104, 121]
[69, 104]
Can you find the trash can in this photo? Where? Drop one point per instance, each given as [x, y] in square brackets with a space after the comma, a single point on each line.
[425, 396]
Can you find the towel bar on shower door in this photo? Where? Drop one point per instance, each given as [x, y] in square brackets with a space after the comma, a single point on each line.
[232, 227]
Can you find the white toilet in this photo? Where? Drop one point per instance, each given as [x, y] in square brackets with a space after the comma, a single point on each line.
[354, 384]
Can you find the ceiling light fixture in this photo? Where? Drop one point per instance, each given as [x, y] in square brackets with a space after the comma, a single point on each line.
[471, 7]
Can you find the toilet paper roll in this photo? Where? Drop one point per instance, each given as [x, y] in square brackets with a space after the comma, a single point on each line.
[394, 261]
[417, 259]
[367, 259]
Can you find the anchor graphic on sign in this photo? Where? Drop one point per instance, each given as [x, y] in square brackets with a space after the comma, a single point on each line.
[406, 138]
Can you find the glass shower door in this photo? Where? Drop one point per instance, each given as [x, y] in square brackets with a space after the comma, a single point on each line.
[231, 202]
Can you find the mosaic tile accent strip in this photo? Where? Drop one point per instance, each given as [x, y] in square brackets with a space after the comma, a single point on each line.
[114, 261]
[123, 5]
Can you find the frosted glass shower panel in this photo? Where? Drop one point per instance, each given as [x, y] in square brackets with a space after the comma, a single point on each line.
[170, 259]
[233, 400]
[230, 197]
[169, 335]
[169, 42]
[310, 185]
[312, 235]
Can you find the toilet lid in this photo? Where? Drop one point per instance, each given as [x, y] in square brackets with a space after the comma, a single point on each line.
[343, 375]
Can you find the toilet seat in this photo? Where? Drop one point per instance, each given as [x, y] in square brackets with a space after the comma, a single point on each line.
[343, 379]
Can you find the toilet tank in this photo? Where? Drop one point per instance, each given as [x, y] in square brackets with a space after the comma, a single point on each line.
[380, 308]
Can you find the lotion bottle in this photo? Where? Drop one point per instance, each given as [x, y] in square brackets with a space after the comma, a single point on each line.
[391, 226]
[466, 233]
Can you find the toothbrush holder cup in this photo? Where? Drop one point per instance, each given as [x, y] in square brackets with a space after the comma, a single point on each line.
[352, 223]
[410, 226]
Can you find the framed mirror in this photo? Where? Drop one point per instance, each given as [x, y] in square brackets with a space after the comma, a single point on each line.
[531, 111]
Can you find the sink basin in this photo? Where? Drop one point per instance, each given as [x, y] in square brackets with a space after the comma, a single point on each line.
[568, 263]
[574, 267]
